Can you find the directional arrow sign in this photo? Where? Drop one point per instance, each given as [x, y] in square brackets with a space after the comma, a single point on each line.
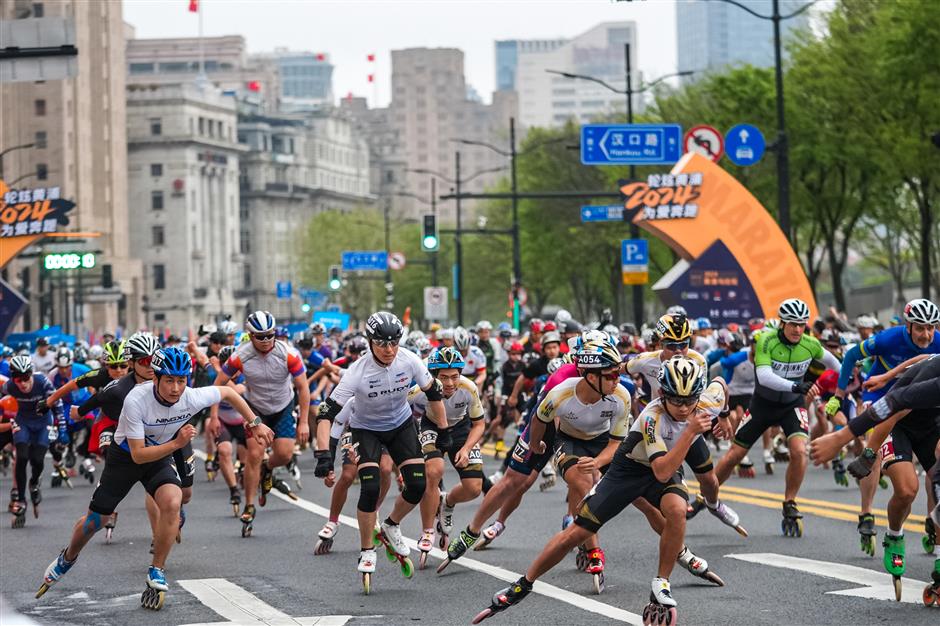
[637, 144]
[238, 606]
[876, 585]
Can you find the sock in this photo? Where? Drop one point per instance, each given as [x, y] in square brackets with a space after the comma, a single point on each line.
[894, 533]
[388, 520]
[471, 533]
[334, 519]
[711, 505]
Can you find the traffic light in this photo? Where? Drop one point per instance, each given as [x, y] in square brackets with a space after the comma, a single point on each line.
[429, 239]
[335, 280]
[305, 307]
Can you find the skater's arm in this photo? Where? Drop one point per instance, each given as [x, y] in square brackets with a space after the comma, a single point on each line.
[846, 368]
[879, 380]
[882, 430]
[141, 453]
[665, 466]
[62, 391]
[259, 431]
[303, 400]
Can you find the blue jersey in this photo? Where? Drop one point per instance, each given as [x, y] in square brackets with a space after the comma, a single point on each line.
[77, 397]
[5, 368]
[889, 348]
[26, 402]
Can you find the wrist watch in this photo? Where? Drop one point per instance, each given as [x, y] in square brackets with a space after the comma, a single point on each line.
[254, 422]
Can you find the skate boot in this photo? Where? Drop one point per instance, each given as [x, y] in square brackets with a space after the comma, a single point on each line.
[867, 532]
[87, 469]
[70, 458]
[727, 516]
[396, 549]
[781, 451]
[240, 474]
[490, 533]
[661, 611]
[595, 567]
[267, 483]
[284, 488]
[500, 449]
[109, 527]
[496, 476]
[457, 547]
[838, 472]
[746, 468]
[548, 478]
[60, 475]
[294, 468]
[247, 518]
[54, 572]
[769, 462]
[366, 568]
[698, 567]
[929, 540]
[445, 521]
[325, 538]
[581, 558]
[179, 530]
[932, 591]
[235, 499]
[19, 514]
[155, 593]
[425, 544]
[14, 496]
[792, 524]
[505, 598]
[35, 496]
[212, 467]
[894, 560]
[695, 507]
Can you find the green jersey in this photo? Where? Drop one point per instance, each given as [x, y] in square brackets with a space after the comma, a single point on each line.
[786, 360]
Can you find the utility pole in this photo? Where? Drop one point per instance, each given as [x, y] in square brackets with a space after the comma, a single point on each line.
[638, 294]
[434, 212]
[458, 247]
[516, 253]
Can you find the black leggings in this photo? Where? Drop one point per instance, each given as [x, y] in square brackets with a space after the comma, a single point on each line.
[34, 455]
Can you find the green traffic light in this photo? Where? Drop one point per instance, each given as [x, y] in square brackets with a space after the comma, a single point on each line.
[430, 242]
[305, 307]
[335, 284]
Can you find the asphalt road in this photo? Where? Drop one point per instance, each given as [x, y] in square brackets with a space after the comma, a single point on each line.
[273, 577]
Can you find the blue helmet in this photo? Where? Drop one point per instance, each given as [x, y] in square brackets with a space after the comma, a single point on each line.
[172, 362]
[703, 323]
[446, 358]
[281, 331]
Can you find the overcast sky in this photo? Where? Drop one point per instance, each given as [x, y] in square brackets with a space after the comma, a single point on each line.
[349, 30]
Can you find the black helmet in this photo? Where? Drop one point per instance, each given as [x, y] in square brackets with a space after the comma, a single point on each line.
[384, 326]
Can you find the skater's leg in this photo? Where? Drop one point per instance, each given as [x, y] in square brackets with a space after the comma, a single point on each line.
[415, 484]
[85, 528]
[37, 454]
[556, 549]
[368, 501]
[153, 514]
[431, 499]
[281, 452]
[708, 486]
[252, 470]
[512, 501]
[465, 491]
[168, 499]
[579, 483]
[19, 470]
[868, 486]
[905, 486]
[796, 468]
[512, 482]
[341, 491]
[672, 540]
[226, 467]
[386, 470]
[653, 515]
[729, 461]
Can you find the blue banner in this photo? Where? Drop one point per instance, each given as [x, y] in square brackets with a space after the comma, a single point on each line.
[332, 319]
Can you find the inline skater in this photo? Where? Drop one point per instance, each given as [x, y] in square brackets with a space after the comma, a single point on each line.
[152, 426]
[43, 359]
[227, 429]
[472, 356]
[273, 373]
[31, 431]
[460, 442]
[64, 372]
[380, 385]
[510, 371]
[888, 349]
[780, 361]
[646, 465]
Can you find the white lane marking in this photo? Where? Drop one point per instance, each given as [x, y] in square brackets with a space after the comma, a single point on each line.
[239, 606]
[877, 585]
[540, 587]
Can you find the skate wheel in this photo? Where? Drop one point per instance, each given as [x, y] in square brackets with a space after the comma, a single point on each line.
[482, 615]
[19, 521]
[930, 596]
[443, 565]
[741, 530]
[423, 560]
[407, 568]
[897, 588]
[390, 555]
[799, 528]
[367, 583]
[107, 536]
[43, 588]
[442, 542]
[598, 583]
[927, 543]
[712, 577]
[246, 530]
[323, 546]
[152, 599]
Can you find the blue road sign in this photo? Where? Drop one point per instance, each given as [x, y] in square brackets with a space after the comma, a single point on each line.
[365, 260]
[744, 144]
[630, 144]
[332, 319]
[602, 213]
[283, 289]
[634, 252]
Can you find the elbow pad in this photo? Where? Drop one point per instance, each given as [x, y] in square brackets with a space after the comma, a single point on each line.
[329, 409]
[435, 392]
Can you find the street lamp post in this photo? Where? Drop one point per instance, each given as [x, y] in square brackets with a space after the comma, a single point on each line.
[7, 150]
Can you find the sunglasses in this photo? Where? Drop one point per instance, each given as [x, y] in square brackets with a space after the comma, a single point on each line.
[381, 343]
[144, 361]
[117, 366]
[610, 375]
[676, 345]
[682, 401]
[265, 337]
[22, 377]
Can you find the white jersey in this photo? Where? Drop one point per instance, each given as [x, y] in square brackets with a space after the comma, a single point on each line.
[145, 417]
[743, 379]
[43, 364]
[475, 362]
[342, 418]
[268, 376]
[464, 402]
[648, 364]
[381, 392]
[586, 421]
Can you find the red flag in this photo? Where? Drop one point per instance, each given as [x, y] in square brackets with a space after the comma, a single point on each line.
[370, 57]
[371, 78]
[254, 85]
[193, 6]
[321, 56]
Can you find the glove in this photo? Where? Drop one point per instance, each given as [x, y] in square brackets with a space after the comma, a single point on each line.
[324, 463]
[801, 387]
[444, 439]
[41, 406]
[833, 406]
[861, 466]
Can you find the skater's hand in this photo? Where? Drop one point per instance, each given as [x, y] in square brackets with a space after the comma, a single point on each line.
[586, 465]
[330, 480]
[213, 427]
[700, 423]
[833, 406]
[824, 449]
[262, 434]
[185, 435]
[722, 428]
[303, 432]
[803, 387]
[461, 459]
[512, 401]
[876, 382]
[324, 463]
[41, 406]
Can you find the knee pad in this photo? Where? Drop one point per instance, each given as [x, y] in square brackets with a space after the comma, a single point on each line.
[415, 482]
[368, 489]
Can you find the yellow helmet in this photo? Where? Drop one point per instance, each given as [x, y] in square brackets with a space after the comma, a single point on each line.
[682, 377]
[674, 328]
[598, 354]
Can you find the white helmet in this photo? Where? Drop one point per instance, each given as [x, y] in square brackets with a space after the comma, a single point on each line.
[921, 311]
[484, 325]
[562, 316]
[676, 309]
[866, 321]
[260, 322]
[793, 310]
[461, 338]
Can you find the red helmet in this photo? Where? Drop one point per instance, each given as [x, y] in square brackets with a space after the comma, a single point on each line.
[549, 326]
[827, 381]
[516, 347]
[536, 325]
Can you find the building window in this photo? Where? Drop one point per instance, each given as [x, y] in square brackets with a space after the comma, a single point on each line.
[158, 235]
[156, 169]
[159, 276]
[156, 200]
[40, 107]
[156, 126]
[42, 171]
[38, 10]
[202, 126]
[40, 139]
